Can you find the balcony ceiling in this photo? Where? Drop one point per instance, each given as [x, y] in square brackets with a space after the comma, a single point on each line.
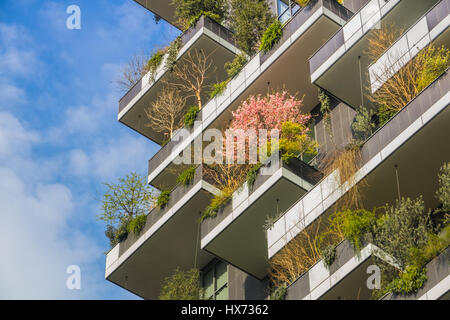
[173, 245]
[162, 8]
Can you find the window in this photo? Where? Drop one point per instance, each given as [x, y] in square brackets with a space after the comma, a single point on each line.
[286, 9]
[215, 281]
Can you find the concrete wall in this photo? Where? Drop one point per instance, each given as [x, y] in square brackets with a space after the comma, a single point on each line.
[341, 133]
[242, 286]
[354, 5]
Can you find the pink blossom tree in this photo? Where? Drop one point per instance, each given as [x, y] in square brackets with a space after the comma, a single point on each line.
[269, 112]
[266, 112]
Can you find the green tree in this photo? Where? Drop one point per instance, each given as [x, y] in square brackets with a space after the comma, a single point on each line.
[249, 20]
[123, 202]
[182, 285]
[403, 227]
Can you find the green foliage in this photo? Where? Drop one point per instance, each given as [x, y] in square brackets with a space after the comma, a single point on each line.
[271, 36]
[163, 199]
[409, 281]
[217, 202]
[354, 224]
[137, 224]
[410, 224]
[279, 293]
[294, 141]
[363, 125]
[385, 113]
[325, 110]
[155, 61]
[443, 193]
[328, 255]
[187, 176]
[116, 235]
[122, 202]
[436, 61]
[193, 20]
[172, 54]
[182, 285]
[188, 11]
[218, 88]
[251, 175]
[190, 116]
[234, 67]
[249, 20]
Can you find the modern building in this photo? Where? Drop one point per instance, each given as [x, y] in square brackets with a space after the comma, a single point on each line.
[324, 45]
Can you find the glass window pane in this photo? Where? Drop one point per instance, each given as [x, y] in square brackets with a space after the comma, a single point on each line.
[221, 274]
[222, 294]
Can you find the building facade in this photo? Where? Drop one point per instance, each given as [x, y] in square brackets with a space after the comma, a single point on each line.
[325, 47]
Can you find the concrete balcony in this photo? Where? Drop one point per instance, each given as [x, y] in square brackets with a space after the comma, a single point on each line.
[210, 37]
[437, 286]
[344, 56]
[411, 140]
[432, 28]
[306, 31]
[344, 279]
[168, 240]
[162, 8]
[236, 233]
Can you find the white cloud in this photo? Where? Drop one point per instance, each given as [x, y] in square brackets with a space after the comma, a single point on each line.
[36, 226]
[11, 95]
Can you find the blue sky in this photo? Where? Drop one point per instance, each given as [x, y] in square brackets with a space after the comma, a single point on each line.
[60, 139]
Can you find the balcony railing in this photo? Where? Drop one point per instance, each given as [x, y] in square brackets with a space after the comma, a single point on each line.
[203, 22]
[321, 197]
[417, 37]
[365, 19]
[296, 166]
[302, 15]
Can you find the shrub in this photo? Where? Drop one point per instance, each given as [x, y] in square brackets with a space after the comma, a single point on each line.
[295, 141]
[249, 20]
[251, 175]
[234, 67]
[172, 54]
[193, 20]
[354, 225]
[187, 176]
[190, 116]
[217, 202]
[363, 125]
[137, 224]
[400, 87]
[409, 281]
[182, 285]
[188, 11]
[163, 199]
[155, 61]
[218, 89]
[271, 36]
[443, 193]
[279, 293]
[410, 224]
[328, 255]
